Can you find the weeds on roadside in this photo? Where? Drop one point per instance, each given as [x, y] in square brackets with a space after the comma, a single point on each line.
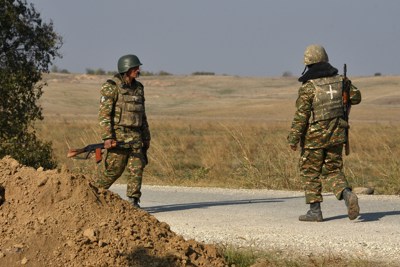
[246, 257]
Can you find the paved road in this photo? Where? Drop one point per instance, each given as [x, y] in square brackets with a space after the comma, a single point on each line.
[269, 219]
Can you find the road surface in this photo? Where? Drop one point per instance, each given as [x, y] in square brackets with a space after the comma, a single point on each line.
[269, 219]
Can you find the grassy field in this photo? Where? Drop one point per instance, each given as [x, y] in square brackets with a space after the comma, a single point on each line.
[227, 131]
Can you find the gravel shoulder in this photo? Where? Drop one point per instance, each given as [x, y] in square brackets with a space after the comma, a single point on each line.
[269, 220]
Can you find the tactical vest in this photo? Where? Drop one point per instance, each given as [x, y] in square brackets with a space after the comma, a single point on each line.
[129, 108]
[327, 103]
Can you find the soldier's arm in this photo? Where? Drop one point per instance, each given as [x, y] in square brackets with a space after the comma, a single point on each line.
[145, 129]
[355, 95]
[146, 137]
[302, 114]
[106, 111]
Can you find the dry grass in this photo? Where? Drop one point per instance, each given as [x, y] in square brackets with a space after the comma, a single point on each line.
[245, 257]
[228, 131]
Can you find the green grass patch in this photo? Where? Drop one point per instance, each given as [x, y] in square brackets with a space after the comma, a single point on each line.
[250, 257]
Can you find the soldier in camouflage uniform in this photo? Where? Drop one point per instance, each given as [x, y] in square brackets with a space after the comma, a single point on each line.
[122, 117]
[318, 126]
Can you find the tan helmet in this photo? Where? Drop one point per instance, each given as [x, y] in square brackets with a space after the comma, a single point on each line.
[315, 54]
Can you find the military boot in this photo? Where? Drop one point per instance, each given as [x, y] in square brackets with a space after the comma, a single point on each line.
[351, 201]
[134, 201]
[314, 214]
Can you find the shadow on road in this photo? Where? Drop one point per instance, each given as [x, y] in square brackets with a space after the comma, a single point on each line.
[200, 205]
[376, 216]
[367, 217]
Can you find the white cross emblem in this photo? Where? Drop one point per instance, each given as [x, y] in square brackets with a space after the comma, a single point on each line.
[331, 91]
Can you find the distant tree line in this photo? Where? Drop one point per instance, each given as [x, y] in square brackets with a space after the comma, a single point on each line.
[101, 71]
[287, 74]
[55, 69]
[203, 73]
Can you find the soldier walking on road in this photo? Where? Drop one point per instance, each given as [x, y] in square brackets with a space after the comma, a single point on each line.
[321, 130]
[122, 117]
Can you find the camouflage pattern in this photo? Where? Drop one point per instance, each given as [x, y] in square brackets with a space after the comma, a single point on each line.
[322, 164]
[114, 164]
[321, 141]
[315, 54]
[327, 102]
[317, 134]
[129, 110]
[122, 117]
[118, 99]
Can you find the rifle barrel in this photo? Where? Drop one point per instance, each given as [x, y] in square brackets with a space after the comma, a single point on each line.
[92, 147]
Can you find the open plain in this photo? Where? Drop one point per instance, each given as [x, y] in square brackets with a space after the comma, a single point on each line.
[216, 97]
[230, 132]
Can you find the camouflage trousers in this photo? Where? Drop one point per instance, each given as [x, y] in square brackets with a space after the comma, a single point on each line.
[324, 164]
[115, 163]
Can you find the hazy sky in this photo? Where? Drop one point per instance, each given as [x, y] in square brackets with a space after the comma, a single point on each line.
[235, 37]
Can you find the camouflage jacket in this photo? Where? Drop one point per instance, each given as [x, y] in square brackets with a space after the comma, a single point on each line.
[110, 113]
[317, 134]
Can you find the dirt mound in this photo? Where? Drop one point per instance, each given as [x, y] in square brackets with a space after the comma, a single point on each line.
[52, 218]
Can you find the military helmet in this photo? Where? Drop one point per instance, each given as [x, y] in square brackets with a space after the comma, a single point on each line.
[127, 62]
[314, 54]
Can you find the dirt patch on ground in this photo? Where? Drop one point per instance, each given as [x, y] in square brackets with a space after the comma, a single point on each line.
[56, 218]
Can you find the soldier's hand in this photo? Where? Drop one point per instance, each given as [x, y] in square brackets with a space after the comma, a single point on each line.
[293, 147]
[109, 143]
[146, 145]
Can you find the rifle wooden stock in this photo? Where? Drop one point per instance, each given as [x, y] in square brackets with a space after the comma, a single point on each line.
[87, 149]
[92, 147]
[98, 154]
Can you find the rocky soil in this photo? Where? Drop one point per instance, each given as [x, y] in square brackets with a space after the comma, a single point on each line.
[56, 218]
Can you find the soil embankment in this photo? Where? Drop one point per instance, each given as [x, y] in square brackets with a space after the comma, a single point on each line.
[53, 218]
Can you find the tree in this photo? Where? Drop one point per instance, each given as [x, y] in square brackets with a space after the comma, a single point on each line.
[27, 47]
[287, 74]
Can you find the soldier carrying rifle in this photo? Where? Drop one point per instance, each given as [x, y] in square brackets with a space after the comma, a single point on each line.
[124, 128]
[320, 126]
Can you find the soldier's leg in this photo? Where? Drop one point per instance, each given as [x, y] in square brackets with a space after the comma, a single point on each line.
[112, 167]
[339, 183]
[310, 168]
[333, 170]
[135, 168]
[311, 162]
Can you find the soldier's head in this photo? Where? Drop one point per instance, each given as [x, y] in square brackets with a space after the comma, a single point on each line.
[314, 54]
[127, 62]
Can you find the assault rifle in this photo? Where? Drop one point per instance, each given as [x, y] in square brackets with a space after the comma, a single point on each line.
[346, 106]
[89, 149]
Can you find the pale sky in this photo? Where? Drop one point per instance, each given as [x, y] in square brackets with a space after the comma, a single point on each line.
[234, 37]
